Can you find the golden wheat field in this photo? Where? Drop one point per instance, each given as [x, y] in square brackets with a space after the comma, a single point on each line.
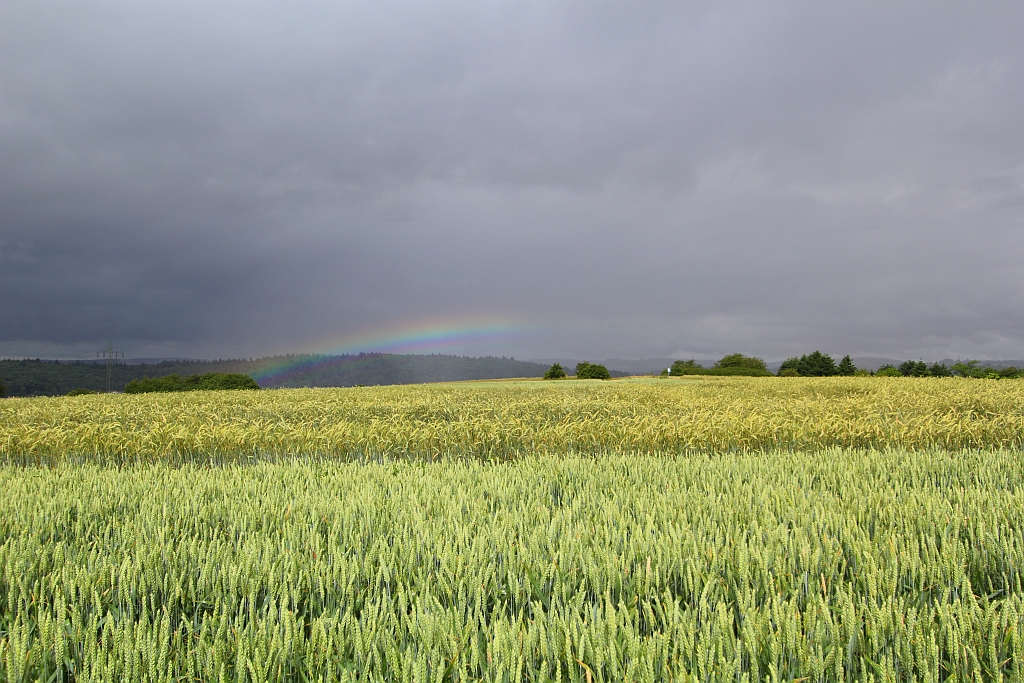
[711, 529]
[506, 420]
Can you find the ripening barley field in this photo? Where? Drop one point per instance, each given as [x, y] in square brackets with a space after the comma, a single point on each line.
[507, 420]
[709, 530]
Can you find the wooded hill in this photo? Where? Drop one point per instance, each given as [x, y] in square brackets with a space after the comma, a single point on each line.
[56, 378]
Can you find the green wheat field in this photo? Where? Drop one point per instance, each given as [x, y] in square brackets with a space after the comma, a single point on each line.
[711, 529]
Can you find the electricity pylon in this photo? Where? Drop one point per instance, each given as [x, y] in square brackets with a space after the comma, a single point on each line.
[110, 354]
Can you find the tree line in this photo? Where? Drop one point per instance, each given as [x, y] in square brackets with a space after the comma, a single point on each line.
[584, 370]
[814, 364]
[54, 378]
[210, 381]
[732, 364]
[34, 377]
[818, 364]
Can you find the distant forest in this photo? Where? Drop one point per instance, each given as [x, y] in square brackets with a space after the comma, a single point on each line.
[56, 378]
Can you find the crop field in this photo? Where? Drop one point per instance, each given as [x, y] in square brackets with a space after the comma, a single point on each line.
[504, 421]
[670, 530]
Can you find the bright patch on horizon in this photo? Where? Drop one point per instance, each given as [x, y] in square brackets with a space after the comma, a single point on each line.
[429, 336]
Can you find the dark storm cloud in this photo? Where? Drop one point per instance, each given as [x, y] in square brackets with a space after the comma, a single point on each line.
[632, 179]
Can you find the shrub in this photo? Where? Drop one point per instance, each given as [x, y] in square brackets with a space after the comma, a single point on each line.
[888, 371]
[587, 370]
[738, 360]
[789, 364]
[736, 372]
[685, 367]
[556, 371]
[734, 365]
[81, 392]
[3, 389]
[211, 381]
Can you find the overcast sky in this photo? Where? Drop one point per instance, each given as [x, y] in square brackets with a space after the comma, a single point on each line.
[629, 179]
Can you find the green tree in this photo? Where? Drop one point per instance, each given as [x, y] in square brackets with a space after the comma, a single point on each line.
[967, 369]
[789, 364]
[556, 371]
[587, 370]
[912, 368]
[685, 367]
[888, 371]
[816, 364]
[846, 367]
[3, 389]
[939, 370]
[738, 360]
[971, 369]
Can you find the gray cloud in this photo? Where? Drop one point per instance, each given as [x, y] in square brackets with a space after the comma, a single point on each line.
[630, 180]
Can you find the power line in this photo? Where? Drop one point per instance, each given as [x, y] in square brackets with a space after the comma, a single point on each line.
[110, 354]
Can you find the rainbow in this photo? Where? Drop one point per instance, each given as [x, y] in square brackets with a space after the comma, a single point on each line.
[433, 336]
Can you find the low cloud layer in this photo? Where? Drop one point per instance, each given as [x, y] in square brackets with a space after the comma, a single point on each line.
[610, 179]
